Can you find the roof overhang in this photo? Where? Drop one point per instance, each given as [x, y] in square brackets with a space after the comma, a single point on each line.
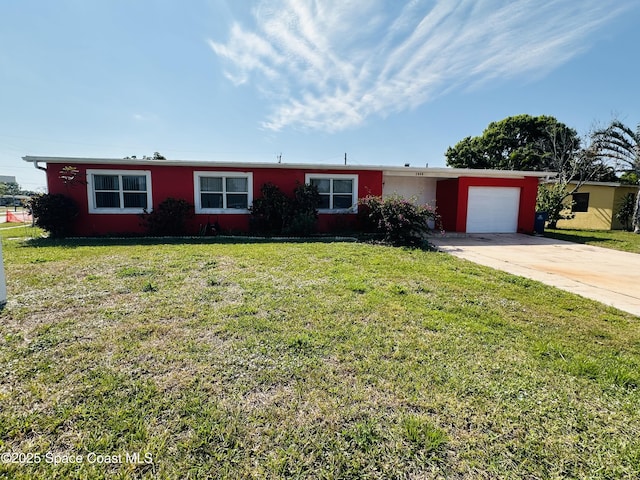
[446, 173]
[602, 184]
[386, 169]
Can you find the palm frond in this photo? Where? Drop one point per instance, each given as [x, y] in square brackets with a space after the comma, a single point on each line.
[619, 143]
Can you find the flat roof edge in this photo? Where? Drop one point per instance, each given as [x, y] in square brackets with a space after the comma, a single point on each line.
[605, 184]
[443, 172]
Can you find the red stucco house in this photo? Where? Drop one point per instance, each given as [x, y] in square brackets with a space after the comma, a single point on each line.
[111, 193]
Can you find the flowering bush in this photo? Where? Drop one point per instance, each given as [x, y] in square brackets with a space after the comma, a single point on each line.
[399, 221]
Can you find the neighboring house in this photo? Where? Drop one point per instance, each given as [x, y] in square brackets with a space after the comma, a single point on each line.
[111, 193]
[595, 205]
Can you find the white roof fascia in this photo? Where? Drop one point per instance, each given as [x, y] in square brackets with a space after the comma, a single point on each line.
[386, 169]
[461, 172]
[605, 184]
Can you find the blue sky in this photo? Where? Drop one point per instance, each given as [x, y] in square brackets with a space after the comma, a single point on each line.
[385, 81]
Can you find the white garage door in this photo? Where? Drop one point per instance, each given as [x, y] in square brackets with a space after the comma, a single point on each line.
[493, 209]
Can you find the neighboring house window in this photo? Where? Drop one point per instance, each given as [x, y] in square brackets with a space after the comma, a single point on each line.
[580, 202]
[223, 192]
[338, 193]
[119, 191]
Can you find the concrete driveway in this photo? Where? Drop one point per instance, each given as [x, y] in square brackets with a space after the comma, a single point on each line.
[605, 275]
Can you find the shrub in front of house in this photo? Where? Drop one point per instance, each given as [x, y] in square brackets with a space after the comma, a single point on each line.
[54, 213]
[169, 218]
[397, 220]
[304, 211]
[270, 211]
[625, 210]
[274, 213]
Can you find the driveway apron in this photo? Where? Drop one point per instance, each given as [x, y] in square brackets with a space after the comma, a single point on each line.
[607, 276]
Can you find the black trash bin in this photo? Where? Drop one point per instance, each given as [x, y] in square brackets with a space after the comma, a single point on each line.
[541, 220]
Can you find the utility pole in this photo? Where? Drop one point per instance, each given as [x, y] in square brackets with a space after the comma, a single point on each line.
[345, 158]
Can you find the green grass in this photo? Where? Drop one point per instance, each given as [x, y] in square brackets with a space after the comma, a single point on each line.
[614, 239]
[13, 225]
[307, 360]
[19, 230]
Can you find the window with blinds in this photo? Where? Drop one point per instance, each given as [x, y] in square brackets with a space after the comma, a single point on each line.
[119, 191]
[338, 193]
[223, 192]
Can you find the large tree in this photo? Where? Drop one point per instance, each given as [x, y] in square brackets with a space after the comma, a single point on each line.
[521, 142]
[12, 188]
[619, 144]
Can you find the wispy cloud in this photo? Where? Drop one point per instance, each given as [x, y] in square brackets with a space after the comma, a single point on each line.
[330, 64]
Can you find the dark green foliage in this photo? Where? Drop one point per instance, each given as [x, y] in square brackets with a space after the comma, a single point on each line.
[306, 198]
[625, 211]
[10, 188]
[304, 212]
[301, 224]
[274, 213]
[53, 213]
[169, 218]
[521, 142]
[399, 221]
[554, 198]
[268, 213]
[629, 178]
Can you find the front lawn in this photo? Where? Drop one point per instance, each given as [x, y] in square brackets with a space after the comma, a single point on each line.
[614, 239]
[19, 230]
[306, 360]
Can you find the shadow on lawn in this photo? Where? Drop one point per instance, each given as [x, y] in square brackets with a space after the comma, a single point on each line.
[215, 240]
[137, 241]
[568, 237]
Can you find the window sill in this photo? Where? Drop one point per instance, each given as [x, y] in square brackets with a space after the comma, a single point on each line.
[341, 211]
[119, 211]
[222, 211]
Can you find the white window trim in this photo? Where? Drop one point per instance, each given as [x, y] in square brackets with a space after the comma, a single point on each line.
[335, 176]
[92, 197]
[198, 201]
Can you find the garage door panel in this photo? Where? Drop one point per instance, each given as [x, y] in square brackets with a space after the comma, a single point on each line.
[493, 209]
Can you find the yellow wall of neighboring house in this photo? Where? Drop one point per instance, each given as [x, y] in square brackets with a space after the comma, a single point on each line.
[603, 204]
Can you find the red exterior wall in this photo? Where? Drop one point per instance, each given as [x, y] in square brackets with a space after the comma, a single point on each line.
[177, 182]
[452, 197]
[447, 203]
